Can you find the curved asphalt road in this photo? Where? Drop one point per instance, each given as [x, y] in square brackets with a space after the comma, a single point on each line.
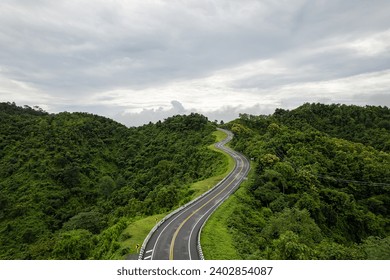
[176, 238]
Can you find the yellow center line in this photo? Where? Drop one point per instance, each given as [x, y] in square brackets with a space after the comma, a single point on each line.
[172, 247]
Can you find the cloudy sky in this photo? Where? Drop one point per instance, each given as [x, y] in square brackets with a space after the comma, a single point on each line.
[139, 61]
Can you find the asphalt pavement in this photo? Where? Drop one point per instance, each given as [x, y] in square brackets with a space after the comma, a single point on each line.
[177, 237]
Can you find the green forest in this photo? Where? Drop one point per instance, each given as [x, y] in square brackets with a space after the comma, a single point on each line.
[319, 186]
[70, 183]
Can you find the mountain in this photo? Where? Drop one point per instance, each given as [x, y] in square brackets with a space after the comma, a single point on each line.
[71, 182]
[319, 186]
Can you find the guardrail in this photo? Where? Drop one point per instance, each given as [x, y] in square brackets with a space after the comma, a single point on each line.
[199, 246]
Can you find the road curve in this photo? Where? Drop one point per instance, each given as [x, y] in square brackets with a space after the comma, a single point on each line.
[176, 237]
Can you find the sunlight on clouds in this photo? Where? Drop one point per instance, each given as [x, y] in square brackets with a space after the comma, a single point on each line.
[23, 93]
[217, 91]
[248, 70]
[340, 90]
[373, 45]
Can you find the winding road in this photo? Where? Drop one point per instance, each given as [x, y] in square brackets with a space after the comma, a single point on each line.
[176, 237]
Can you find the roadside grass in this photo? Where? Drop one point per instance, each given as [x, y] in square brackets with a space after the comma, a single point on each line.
[225, 167]
[217, 239]
[137, 230]
[135, 233]
[219, 136]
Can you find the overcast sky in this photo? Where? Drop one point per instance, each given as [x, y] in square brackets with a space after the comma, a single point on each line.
[144, 60]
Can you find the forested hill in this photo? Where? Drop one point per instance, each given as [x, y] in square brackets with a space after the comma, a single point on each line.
[320, 188]
[69, 182]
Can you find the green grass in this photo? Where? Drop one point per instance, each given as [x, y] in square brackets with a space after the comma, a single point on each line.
[227, 166]
[217, 238]
[219, 135]
[137, 230]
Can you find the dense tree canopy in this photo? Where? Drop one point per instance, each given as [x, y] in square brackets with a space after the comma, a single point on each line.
[68, 179]
[321, 186]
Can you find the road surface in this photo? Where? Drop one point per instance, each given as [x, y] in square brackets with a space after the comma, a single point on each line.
[177, 237]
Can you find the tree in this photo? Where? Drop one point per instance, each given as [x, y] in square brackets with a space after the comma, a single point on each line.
[92, 221]
[289, 247]
[73, 245]
[106, 185]
[377, 248]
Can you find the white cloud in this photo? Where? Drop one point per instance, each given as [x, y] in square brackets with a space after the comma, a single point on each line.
[23, 93]
[214, 98]
[215, 57]
[372, 45]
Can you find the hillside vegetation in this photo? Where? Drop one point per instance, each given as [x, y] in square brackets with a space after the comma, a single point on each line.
[70, 183]
[319, 188]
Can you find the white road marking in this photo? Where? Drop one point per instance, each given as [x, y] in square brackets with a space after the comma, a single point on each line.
[174, 219]
[239, 162]
[219, 202]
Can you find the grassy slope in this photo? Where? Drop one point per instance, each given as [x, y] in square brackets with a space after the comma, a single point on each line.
[217, 238]
[137, 230]
[203, 186]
